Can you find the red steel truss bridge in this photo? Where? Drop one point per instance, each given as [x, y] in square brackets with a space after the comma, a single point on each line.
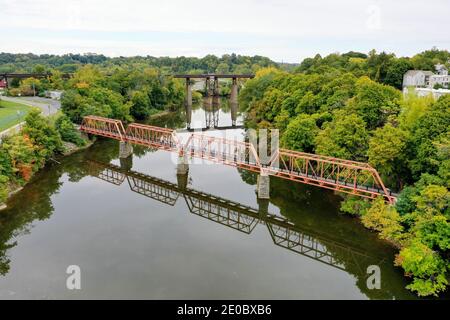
[356, 178]
[234, 215]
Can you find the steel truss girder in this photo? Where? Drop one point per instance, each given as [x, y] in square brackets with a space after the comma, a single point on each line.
[356, 178]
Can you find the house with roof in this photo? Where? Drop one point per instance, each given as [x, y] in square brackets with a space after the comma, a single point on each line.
[417, 78]
[441, 78]
[427, 79]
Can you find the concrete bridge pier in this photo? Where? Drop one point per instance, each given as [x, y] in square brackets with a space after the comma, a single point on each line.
[263, 185]
[182, 165]
[125, 149]
[215, 103]
[263, 207]
[126, 163]
[234, 101]
[182, 172]
[188, 103]
[207, 103]
[188, 117]
[216, 86]
[209, 87]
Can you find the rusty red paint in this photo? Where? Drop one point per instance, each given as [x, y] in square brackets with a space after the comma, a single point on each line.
[357, 178]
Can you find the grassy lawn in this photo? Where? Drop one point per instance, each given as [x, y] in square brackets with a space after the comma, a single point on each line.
[9, 113]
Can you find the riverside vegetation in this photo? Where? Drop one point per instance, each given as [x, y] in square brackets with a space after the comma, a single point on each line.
[123, 88]
[348, 106]
[342, 105]
[23, 154]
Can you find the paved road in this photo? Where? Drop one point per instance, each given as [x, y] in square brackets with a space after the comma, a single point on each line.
[48, 106]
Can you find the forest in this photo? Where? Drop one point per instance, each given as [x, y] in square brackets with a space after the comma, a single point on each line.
[69, 63]
[349, 106]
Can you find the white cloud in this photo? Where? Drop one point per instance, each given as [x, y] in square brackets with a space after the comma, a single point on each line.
[301, 23]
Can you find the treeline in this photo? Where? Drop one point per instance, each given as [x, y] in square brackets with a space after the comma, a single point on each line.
[227, 63]
[127, 94]
[382, 67]
[328, 107]
[126, 88]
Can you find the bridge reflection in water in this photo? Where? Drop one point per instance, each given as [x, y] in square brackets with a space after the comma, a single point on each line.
[240, 217]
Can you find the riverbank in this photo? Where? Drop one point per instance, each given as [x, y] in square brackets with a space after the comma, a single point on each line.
[144, 232]
[39, 141]
[69, 147]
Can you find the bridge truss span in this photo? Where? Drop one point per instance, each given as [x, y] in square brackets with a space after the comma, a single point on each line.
[110, 128]
[342, 175]
[352, 177]
[226, 151]
[151, 136]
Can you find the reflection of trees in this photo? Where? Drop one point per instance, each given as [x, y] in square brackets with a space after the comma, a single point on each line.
[341, 243]
[34, 201]
[310, 209]
[169, 120]
[316, 209]
[248, 177]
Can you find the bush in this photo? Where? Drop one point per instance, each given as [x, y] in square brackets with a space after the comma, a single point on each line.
[355, 206]
[383, 218]
[68, 131]
[3, 188]
[25, 157]
[43, 135]
[405, 203]
[426, 266]
[300, 133]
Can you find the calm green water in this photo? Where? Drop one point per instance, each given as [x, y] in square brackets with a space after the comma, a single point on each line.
[135, 236]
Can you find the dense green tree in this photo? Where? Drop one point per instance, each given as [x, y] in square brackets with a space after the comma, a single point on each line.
[254, 89]
[300, 134]
[68, 131]
[429, 58]
[378, 65]
[405, 201]
[428, 268]
[140, 105]
[374, 102]
[222, 68]
[427, 129]
[344, 137]
[387, 152]
[383, 218]
[395, 72]
[42, 134]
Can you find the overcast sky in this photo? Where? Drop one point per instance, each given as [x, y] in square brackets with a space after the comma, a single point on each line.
[282, 30]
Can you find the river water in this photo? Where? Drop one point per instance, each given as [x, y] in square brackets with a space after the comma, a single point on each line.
[138, 230]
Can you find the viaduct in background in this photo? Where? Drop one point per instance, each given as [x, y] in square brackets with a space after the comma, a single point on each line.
[212, 90]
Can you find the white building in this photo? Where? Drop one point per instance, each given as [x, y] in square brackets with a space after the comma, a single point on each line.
[423, 92]
[427, 79]
[441, 78]
[416, 78]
